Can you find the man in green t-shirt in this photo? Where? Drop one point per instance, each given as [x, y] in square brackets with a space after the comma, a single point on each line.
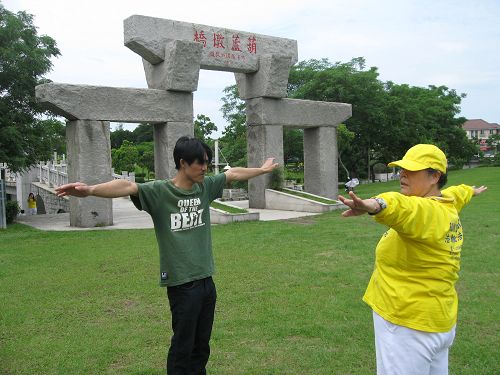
[180, 209]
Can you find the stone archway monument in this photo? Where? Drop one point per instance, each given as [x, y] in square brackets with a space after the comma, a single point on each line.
[173, 53]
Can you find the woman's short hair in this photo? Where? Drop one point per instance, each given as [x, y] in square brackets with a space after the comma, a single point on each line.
[190, 150]
[443, 178]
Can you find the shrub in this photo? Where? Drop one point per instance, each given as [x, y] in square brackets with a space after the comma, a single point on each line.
[12, 209]
[277, 181]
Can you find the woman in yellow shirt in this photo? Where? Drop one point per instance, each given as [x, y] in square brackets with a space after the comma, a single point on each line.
[412, 288]
[31, 204]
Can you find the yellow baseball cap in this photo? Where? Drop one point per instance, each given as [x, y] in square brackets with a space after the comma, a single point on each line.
[421, 157]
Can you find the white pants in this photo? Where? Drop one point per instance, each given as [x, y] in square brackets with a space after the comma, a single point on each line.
[405, 351]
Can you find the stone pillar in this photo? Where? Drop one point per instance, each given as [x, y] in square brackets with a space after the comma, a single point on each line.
[320, 161]
[165, 137]
[263, 141]
[89, 161]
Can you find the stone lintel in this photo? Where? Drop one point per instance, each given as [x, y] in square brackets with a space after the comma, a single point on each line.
[296, 112]
[103, 103]
[223, 49]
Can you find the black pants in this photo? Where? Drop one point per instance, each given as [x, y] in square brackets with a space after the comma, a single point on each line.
[192, 306]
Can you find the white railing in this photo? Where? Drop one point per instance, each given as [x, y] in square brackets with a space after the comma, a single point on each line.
[56, 174]
[9, 176]
[52, 174]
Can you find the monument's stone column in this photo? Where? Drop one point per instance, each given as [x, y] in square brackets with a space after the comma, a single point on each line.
[89, 161]
[263, 141]
[320, 161]
[165, 136]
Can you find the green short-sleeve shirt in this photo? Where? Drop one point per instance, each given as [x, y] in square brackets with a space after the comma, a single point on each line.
[182, 225]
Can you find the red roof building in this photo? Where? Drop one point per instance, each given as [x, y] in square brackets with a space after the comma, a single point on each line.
[480, 130]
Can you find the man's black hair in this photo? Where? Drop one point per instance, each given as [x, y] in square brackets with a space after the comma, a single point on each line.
[191, 150]
[443, 178]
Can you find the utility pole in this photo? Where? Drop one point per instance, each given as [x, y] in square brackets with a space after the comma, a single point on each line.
[369, 176]
[3, 218]
[216, 156]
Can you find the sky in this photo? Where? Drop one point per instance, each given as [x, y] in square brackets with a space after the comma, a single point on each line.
[455, 43]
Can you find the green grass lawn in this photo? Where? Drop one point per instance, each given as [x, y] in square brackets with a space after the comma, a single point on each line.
[289, 296]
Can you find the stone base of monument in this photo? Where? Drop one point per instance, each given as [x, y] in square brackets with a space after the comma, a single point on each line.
[280, 200]
[222, 217]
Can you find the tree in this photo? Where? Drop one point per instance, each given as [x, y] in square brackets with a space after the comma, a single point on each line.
[203, 127]
[54, 135]
[233, 142]
[493, 142]
[146, 156]
[345, 83]
[143, 133]
[344, 139]
[24, 59]
[125, 157]
[426, 115]
[387, 118]
[119, 135]
[293, 144]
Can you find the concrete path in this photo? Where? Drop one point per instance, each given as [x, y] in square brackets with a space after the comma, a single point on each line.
[126, 216]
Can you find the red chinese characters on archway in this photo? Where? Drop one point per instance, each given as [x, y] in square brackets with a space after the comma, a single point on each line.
[236, 43]
[218, 41]
[252, 44]
[234, 48]
[200, 37]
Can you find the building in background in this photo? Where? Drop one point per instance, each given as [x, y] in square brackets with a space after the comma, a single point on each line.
[481, 131]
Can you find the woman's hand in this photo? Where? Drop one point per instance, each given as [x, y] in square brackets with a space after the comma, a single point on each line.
[479, 190]
[358, 206]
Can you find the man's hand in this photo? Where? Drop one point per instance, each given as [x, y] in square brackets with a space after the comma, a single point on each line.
[358, 206]
[243, 174]
[479, 190]
[76, 189]
[268, 165]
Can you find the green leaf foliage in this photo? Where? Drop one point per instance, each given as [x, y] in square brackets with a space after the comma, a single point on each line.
[233, 142]
[203, 128]
[387, 118]
[12, 209]
[24, 59]
[277, 179]
[142, 133]
[125, 157]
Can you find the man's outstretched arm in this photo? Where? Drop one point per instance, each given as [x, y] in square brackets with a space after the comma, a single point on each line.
[111, 189]
[243, 174]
